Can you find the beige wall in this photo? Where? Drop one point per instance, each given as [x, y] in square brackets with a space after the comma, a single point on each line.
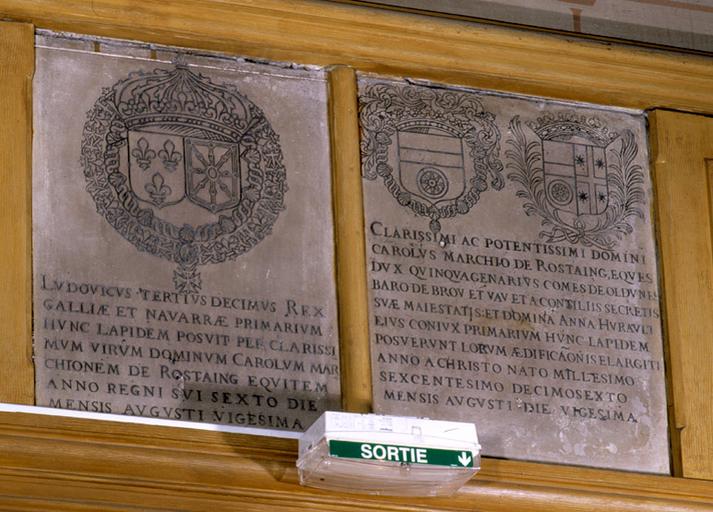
[684, 24]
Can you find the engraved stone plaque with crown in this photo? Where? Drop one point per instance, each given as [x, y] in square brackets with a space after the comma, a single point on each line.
[183, 237]
[512, 272]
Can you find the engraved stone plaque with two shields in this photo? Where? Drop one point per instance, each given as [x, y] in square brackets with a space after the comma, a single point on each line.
[512, 272]
[183, 237]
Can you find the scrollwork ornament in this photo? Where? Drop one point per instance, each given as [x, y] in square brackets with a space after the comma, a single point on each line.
[436, 150]
[581, 178]
[214, 150]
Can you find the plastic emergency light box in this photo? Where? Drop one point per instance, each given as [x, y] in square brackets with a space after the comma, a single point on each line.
[388, 455]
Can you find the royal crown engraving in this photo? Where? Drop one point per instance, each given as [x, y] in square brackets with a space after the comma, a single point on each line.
[580, 177]
[436, 150]
[159, 147]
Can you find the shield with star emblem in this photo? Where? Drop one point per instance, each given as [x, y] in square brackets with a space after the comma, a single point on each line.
[212, 174]
[575, 177]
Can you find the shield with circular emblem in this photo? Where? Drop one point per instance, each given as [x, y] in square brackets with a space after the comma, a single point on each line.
[212, 174]
[575, 177]
[431, 163]
[436, 150]
[580, 176]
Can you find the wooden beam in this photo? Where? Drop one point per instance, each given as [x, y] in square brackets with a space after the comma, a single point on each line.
[393, 43]
[17, 63]
[78, 464]
[682, 146]
[354, 343]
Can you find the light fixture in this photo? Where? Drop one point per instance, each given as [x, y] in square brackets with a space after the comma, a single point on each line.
[388, 455]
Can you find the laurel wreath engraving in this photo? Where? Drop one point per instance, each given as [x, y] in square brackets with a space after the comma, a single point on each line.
[233, 232]
[624, 180]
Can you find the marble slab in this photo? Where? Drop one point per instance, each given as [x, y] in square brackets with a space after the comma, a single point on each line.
[512, 272]
[183, 236]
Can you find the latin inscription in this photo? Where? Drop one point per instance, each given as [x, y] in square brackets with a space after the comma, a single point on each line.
[521, 327]
[179, 270]
[534, 312]
[231, 360]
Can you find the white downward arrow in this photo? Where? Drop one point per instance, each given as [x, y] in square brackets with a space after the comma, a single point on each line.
[464, 458]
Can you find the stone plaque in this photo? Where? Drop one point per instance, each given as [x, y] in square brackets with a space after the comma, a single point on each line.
[512, 272]
[183, 236]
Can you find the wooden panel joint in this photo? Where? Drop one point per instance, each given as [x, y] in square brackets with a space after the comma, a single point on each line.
[349, 236]
[16, 69]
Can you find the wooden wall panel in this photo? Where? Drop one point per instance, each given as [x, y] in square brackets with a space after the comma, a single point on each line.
[681, 145]
[310, 31]
[349, 236]
[17, 54]
[67, 464]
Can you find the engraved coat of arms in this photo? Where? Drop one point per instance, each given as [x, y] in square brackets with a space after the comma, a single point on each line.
[436, 150]
[579, 176]
[183, 168]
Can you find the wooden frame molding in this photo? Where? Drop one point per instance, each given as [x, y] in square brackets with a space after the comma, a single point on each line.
[76, 464]
[681, 147]
[393, 43]
[17, 64]
[70, 464]
[354, 349]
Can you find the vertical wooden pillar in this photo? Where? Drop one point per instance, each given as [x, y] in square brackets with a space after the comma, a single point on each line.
[17, 56]
[349, 236]
[682, 146]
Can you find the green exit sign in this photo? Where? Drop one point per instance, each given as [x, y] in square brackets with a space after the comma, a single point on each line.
[401, 454]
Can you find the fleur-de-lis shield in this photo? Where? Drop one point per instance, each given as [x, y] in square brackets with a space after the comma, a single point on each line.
[156, 172]
[431, 163]
[575, 177]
